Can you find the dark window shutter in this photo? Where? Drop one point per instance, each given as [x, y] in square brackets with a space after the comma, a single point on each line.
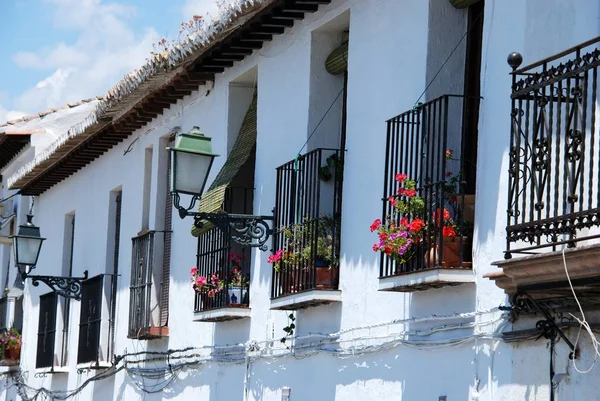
[46, 330]
[90, 319]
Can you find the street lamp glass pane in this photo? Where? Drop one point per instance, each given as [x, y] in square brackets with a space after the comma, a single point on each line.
[190, 172]
[27, 250]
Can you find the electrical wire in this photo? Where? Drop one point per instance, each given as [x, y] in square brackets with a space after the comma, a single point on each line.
[583, 323]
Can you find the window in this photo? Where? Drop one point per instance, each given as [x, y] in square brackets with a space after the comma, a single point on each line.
[424, 146]
[308, 203]
[112, 268]
[67, 270]
[46, 330]
[225, 264]
[90, 319]
[151, 258]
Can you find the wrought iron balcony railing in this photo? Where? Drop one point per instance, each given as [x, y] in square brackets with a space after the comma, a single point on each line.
[307, 223]
[554, 196]
[425, 145]
[145, 298]
[223, 264]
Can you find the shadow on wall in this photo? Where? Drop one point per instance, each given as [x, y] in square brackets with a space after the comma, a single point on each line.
[324, 377]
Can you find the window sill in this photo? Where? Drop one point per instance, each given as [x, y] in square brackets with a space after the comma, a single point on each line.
[306, 299]
[222, 314]
[8, 367]
[52, 370]
[426, 279]
[93, 365]
[151, 333]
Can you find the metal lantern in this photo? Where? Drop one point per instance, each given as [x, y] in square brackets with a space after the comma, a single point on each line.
[27, 244]
[191, 160]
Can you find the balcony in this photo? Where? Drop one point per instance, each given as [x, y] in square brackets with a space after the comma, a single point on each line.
[145, 304]
[225, 271]
[553, 193]
[306, 241]
[425, 232]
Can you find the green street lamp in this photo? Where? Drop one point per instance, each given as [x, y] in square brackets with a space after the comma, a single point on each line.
[27, 245]
[191, 161]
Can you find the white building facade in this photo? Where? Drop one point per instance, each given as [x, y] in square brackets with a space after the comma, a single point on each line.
[299, 98]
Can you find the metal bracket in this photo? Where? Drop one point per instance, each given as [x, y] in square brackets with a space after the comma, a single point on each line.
[68, 287]
[522, 302]
[244, 229]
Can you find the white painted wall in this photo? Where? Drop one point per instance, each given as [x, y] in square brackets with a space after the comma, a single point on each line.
[391, 56]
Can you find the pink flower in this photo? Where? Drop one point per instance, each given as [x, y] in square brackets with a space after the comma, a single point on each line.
[392, 200]
[200, 281]
[194, 271]
[376, 247]
[211, 293]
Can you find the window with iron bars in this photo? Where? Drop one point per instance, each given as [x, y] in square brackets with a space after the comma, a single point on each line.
[306, 240]
[94, 327]
[222, 264]
[427, 217]
[144, 300]
[46, 331]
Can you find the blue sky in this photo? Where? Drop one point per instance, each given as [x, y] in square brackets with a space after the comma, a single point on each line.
[59, 51]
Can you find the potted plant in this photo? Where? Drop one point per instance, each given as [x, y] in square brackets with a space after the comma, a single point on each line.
[406, 229]
[238, 283]
[403, 228]
[311, 244]
[208, 287]
[11, 342]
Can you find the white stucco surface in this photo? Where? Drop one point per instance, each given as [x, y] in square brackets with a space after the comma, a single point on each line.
[395, 47]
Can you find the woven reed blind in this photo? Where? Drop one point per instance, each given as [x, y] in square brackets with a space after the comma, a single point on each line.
[337, 62]
[212, 200]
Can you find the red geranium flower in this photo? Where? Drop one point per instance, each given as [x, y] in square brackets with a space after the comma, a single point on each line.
[417, 225]
[376, 224]
[448, 231]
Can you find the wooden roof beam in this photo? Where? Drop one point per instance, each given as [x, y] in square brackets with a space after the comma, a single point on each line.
[277, 22]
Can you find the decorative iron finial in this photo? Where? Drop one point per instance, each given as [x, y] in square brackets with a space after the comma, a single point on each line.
[514, 60]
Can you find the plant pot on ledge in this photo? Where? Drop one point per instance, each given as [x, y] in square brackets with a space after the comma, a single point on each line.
[451, 257]
[327, 277]
[237, 297]
[12, 354]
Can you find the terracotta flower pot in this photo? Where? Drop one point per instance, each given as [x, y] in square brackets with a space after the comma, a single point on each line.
[13, 353]
[327, 277]
[451, 249]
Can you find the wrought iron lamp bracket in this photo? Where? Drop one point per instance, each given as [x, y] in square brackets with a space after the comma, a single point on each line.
[522, 302]
[68, 287]
[244, 229]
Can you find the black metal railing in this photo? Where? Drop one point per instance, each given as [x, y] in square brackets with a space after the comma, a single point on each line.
[426, 145]
[553, 196]
[307, 212]
[46, 331]
[91, 317]
[143, 257]
[223, 264]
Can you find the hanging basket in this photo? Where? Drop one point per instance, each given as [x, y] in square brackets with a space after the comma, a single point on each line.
[462, 3]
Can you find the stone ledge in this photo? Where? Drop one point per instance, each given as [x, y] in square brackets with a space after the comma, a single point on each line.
[426, 279]
[222, 314]
[306, 299]
[535, 272]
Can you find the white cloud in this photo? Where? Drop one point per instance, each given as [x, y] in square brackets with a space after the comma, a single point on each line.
[199, 7]
[105, 49]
